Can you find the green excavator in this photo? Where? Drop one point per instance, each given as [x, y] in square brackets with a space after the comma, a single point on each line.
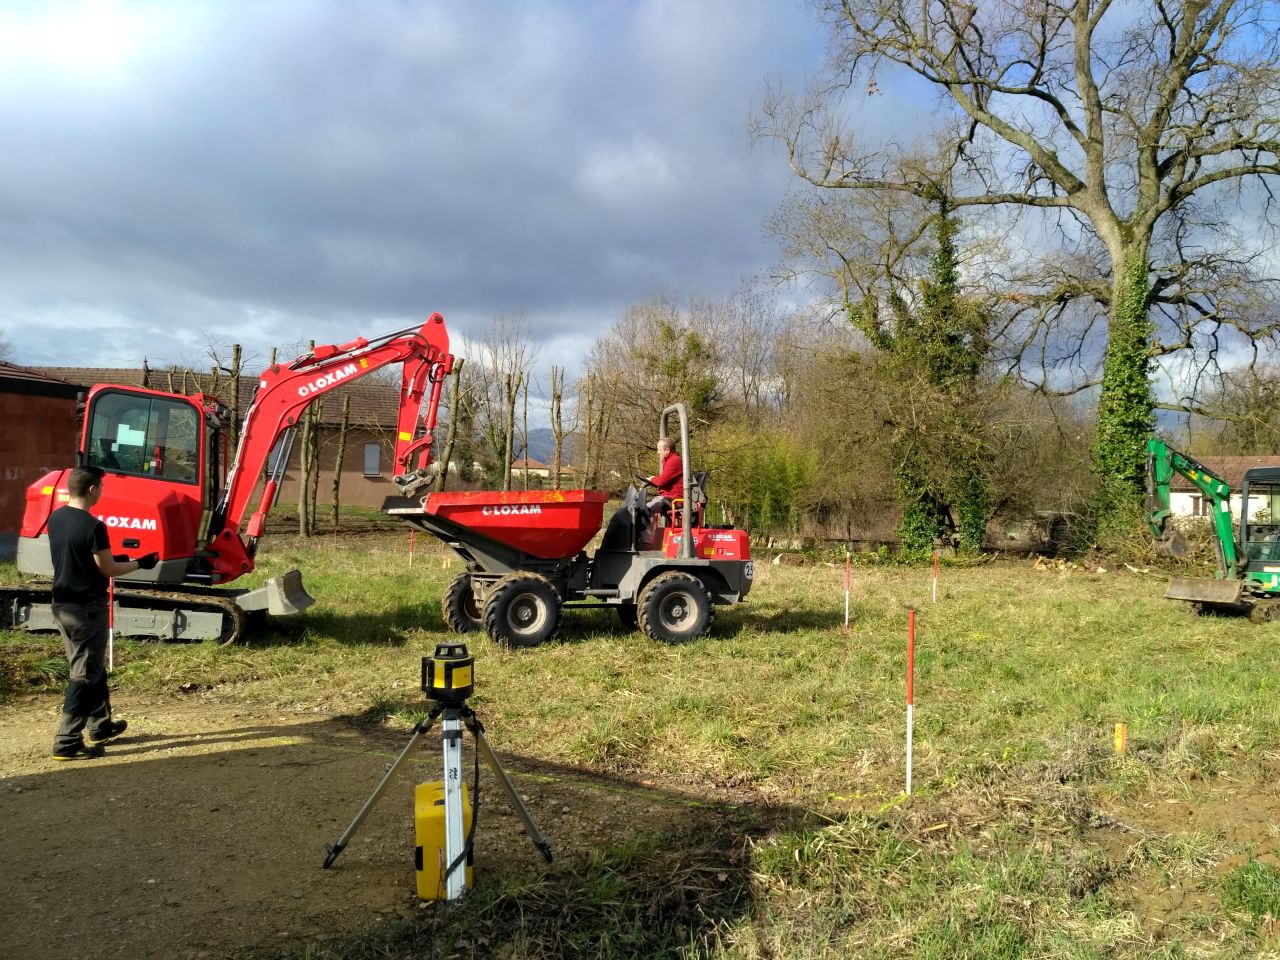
[1248, 578]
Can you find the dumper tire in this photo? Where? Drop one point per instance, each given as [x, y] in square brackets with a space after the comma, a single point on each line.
[628, 616]
[675, 607]
[523, 610]
[462, 611]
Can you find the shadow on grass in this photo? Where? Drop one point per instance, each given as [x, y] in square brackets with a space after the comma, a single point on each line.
[742, 618]
[578, 624]
[350, 627]
[639, 871]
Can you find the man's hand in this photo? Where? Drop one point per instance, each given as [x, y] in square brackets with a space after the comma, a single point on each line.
[645, 481]
[148, 561]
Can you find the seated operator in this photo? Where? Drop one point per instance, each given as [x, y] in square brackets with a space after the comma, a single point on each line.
[669, 479]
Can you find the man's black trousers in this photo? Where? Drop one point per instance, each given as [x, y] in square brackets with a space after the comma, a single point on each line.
[87, 702]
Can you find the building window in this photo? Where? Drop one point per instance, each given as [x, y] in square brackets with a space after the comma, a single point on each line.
[372, 459]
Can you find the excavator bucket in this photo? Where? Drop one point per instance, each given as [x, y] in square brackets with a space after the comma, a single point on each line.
[280, 596]
[1172, 544]
[1218, 593]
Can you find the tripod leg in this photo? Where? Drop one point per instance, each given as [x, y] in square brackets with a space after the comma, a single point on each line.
[509, 789]
[333, 849]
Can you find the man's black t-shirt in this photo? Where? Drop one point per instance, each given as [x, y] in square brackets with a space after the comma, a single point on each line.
[74, 537]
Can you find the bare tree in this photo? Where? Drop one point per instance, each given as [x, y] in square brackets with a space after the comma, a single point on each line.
[1125, 129]
[306, 525]
[658, 353]
[557, 423]
[524, 429]
[455, 417]
[502, 363]
[338, 458]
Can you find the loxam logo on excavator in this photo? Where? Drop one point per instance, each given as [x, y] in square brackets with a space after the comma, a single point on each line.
[328, 380]
[128, 523]
[510, 508]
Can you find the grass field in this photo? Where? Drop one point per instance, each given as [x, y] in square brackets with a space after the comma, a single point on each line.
[1027, 835]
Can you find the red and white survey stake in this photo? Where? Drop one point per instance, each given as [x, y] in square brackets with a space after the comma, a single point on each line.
[935, 576]
[911, 687]
[848, 584]
[111, 624]
[411, 533]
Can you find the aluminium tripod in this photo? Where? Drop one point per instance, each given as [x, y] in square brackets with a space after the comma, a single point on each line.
[451, 706]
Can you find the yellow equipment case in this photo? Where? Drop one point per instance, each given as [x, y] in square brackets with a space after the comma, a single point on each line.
[428, 821]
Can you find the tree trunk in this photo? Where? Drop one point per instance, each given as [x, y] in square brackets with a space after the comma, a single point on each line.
[455, 403]
[337, 463]
[525, 431]
[313, 470]
[304, 476]
[233, 404]
[513, 391]
[304, 479]
[588, 440]
[1126, 403]
[557, 424]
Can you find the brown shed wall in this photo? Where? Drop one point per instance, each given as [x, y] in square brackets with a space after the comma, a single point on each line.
[37, 434]
[356, 490]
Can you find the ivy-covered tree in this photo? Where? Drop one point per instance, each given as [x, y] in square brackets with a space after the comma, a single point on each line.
[933, 345]
[1126, 125]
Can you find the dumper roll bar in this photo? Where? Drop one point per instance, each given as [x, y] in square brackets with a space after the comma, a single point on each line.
[686, 538]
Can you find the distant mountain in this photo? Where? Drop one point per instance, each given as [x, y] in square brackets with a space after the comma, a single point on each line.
[542, 445]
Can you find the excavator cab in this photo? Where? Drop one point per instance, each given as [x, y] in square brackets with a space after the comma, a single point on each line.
[1260, 518]
[164, 458]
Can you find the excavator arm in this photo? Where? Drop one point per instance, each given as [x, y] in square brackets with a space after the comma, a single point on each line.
[286, 390]
[1162, 463]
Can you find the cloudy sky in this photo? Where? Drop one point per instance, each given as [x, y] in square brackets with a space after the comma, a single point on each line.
[177, 173]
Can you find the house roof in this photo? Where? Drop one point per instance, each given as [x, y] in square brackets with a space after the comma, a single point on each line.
[519, 464]
[1229, 469]
[16, 379]
[374, 402]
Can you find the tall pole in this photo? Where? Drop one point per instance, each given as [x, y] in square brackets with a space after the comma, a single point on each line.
[111, 624]
[911, 684]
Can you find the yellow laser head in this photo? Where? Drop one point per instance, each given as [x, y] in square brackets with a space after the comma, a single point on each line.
[448, 675]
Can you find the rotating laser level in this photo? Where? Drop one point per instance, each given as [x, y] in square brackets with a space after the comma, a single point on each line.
[445, 828]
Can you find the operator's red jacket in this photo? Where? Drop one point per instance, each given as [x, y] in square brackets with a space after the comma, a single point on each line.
[670, 479]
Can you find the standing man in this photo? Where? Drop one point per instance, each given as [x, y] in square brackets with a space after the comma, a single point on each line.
[82, 565]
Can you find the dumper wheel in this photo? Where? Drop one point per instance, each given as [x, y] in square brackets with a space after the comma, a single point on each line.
[461, 608]
[523, 610]
[627, 615]
[675, 607]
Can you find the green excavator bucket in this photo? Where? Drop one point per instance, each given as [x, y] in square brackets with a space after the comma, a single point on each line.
[1172, 544]
[1218, 593]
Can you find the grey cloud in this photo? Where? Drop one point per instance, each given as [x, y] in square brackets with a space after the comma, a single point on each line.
[274, 172]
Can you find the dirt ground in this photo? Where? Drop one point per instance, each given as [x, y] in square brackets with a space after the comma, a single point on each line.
[201, 833]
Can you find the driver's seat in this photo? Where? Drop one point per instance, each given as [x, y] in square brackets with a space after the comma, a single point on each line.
[698, 494]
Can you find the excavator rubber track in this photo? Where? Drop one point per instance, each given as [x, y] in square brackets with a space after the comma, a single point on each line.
[188, 615]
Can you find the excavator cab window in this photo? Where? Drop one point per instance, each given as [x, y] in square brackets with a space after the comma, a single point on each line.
[144, 435]
[1261, 521]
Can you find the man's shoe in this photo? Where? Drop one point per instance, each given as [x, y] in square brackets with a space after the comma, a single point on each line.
[110, 730]
[79, 751]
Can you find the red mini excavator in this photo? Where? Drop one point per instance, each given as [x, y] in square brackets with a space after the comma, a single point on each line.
[168, 487]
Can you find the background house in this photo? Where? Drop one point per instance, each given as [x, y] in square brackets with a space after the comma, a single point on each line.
[370, 445]
[1185, 500]
[30, 398]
